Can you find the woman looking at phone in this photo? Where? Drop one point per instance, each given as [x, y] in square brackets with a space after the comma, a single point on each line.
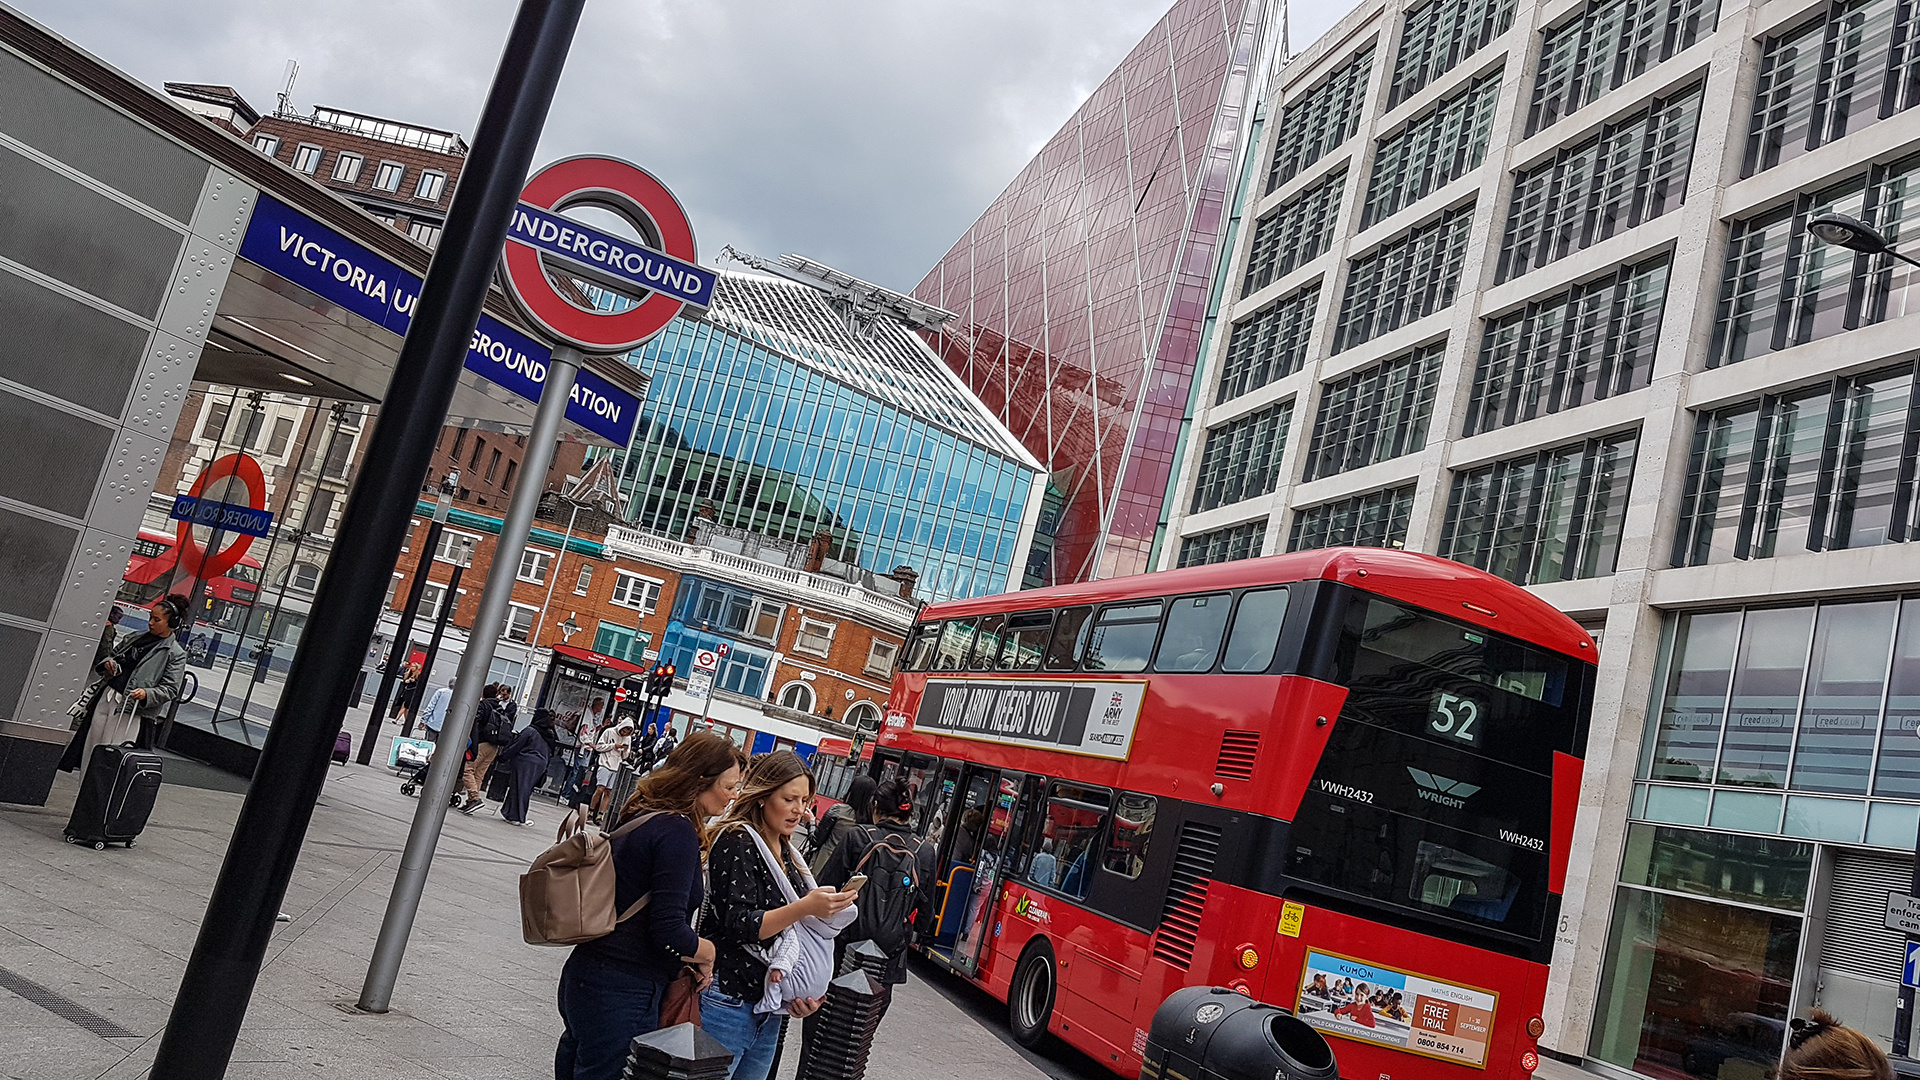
[748, 909]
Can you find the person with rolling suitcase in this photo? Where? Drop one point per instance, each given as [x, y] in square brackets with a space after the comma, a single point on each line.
[137, 684]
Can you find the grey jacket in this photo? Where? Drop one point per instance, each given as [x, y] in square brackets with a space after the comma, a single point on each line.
[159, 673]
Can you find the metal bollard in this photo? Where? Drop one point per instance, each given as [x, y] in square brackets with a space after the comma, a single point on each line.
[845, 1029]
[864, 956]
[682, 1052]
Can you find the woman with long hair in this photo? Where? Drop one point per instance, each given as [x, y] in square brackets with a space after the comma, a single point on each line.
[612, 987]
[748, 908]
[1822, 1048]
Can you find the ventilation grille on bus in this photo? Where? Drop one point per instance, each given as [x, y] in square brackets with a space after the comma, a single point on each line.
[1187, 894]
[1857, 940]
[1237, 752]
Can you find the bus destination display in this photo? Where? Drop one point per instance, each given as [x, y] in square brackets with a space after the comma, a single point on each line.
[1389, 1007]
[1095, 718]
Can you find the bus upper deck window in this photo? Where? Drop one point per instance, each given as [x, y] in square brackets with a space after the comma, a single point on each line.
[1194, 627]
[1256, 630]
[955, 639]
[1069, 638]
[1122, 638]
[1025, 640]
[920, 650]
[986, 643]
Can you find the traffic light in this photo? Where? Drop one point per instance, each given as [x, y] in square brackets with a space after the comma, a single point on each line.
[660, 681]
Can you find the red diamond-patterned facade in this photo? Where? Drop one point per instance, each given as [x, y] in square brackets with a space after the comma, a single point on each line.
[1081, 291]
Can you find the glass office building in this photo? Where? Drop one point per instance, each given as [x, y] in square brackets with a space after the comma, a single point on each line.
[1530, 285]
[1081, 290]
[795, 408]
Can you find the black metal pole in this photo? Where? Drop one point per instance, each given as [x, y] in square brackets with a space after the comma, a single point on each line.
[212, 1001]
[403, 634]
[447, 605]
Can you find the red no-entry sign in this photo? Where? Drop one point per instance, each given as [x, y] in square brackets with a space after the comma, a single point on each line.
[662, 269]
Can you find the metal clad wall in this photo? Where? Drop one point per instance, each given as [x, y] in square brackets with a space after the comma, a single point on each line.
[115, 245]
[1857, 939]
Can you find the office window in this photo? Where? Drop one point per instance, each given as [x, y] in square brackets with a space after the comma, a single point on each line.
[389, 176]
[1270, 344]
[1785, 287]
[267, 144]
[1853, 64]
[1593, 341]
[282, 434]
[612, 639]
[1819, 469]
[426, 232]
[346, 168]
[814, 637]
[493, 465]
[306, 157]
[1376, 413]
[635, 591]
[430, 186]
[1296, 233]
[534, 565]
[1632, 171]
[339, 456]
[880, 658]
[1438, 35]
[586, 579]
[213, 421]
[520, 622]
[431, 597]
[1375, 519]
[479, 446]
[393, 588]
[506, 482]
[797, 696]
[1548, 516]
[1312, 125]
[1407, 278]
[1433, 149]
[456, 547]
[1607, 44]
[1223, 545]
[1242, 458]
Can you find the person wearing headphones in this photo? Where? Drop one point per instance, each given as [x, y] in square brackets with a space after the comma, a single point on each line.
[139, 679]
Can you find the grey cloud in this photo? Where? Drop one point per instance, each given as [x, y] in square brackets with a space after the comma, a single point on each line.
[865, 133]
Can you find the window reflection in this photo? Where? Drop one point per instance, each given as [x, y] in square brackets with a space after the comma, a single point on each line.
[1849, 671]
[1766, 696]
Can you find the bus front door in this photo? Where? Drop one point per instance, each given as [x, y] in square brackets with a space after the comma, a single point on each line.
[995, 830]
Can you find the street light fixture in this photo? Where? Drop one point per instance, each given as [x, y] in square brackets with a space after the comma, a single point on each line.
[1854, 235]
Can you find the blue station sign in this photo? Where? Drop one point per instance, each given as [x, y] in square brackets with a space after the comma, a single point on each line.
[610, 260]
[227, 517]
[309, 254]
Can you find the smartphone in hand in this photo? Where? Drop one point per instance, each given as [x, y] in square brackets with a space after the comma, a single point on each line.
[854, 883]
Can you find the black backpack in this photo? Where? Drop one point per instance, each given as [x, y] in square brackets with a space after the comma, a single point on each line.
[491, 724]
[893, 889]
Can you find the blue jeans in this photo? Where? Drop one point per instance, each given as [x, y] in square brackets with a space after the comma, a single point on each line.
[603, 1008]
[752, 1037]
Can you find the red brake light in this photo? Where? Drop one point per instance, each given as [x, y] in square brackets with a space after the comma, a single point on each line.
[1529, 1061]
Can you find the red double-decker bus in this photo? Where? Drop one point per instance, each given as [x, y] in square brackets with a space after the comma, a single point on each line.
[152, 571]
[1342, 781]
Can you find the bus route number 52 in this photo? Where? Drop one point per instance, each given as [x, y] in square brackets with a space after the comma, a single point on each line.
[1455, 717]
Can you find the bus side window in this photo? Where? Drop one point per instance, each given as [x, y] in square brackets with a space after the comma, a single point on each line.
[1132, 828]
[1070, 838]
[1122, 637]
[986, 643]
[1069, 638]
[955, 638]
[1026, 639]
[920, 648]
[1194, 627]
[1256, 630]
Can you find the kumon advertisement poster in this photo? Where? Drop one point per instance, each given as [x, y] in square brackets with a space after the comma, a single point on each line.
[1421, 1015]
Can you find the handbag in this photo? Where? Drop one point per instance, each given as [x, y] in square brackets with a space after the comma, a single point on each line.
[682, 1002]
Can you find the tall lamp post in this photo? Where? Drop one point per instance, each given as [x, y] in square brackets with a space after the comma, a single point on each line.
[1856, 235]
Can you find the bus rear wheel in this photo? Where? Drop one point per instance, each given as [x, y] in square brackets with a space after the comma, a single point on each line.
[1030, 998]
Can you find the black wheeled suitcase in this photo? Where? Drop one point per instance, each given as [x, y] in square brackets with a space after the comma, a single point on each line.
[116, 796]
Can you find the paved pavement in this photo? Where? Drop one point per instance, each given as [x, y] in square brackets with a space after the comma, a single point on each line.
[93, 944]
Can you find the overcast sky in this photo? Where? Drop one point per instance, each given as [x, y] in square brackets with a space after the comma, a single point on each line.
[867, 134]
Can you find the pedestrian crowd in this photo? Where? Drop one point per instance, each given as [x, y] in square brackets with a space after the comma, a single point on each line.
[727, 917]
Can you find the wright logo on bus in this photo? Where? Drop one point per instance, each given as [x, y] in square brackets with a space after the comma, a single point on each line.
[1341, 781]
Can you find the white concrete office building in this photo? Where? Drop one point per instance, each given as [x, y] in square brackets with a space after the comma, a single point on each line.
[1529, 285]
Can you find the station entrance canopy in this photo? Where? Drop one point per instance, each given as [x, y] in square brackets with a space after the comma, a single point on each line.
[143, 250]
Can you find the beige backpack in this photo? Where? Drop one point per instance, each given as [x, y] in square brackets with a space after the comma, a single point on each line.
[567, 895]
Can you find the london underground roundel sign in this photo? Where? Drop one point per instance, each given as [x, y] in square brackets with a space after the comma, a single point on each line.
[662, 273]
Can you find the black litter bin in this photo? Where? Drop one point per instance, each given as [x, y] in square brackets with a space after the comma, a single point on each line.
[1213, 1033]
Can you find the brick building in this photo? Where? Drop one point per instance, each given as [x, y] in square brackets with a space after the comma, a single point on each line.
[810, 651]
